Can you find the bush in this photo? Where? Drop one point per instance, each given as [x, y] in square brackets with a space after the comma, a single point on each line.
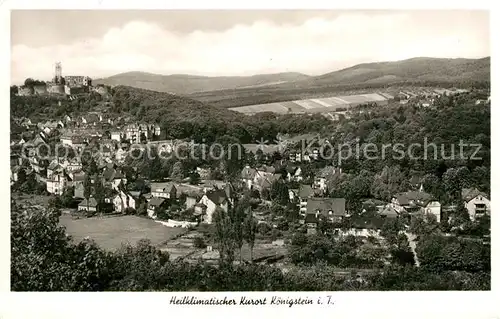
[263, 228]
[129, 211]
[199, 242]
[275, 234]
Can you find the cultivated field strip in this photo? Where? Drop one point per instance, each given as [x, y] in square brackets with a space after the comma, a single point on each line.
[319, 105]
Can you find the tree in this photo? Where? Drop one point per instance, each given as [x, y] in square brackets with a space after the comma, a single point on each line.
[324, 224]
[454, 179]
[194, 178]
[21, 176]
[198, 242]
[388, 182]
[177, 172]
[67, 196]
[439, 253]
[401, 251]
[43, 258]
[224, 236]
[279, 192]
[390, 230]
[13, 90]
[99, 191]
[87, 188]
[249, 231]
[237, 215]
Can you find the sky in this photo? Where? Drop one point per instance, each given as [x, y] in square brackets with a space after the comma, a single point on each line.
[101, 43]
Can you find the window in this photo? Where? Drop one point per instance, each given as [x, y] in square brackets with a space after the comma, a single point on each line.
[480, 207]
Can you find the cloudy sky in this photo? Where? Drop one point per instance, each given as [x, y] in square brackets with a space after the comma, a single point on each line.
[103, 43]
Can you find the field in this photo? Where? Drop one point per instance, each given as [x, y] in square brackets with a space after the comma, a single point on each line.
[318, 105]
[111, 232]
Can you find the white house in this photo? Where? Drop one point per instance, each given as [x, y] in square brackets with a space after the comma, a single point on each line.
[115, 135]
[209, 203]
[294, 174]
[120, 155]
[123, 201]
[56, 184]
[477, 203]
[433, 208]
[67, 140]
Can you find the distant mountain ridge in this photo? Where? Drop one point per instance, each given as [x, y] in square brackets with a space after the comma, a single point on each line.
[415, 69]
[420, 69]
[187, 84]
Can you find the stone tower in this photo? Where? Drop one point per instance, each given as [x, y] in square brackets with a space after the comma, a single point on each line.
[58, 73]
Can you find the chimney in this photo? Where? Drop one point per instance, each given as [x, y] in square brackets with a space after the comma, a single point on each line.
[317, 214]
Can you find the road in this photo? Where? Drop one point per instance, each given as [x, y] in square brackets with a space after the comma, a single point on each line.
[413, 245]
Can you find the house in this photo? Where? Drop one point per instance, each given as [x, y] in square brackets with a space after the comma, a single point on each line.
[77, 177]
[433, 207]
[416, 182]
[116, 136]
[203, 172]
[133, 132]
[112, 177]
[164, 190]
[153, 204]
[416, 202]
[53, 168]
[73, 165]
[294, 173]
[56, 183]
[190, 202]
[88, 205]
[247, 176]
[331, 208]
[311, 221]
[67, 139]
[260, 178]
[388, 212]
[210, 202]
[305, 192]
[120, 155]
[363, 226]
[156, 130]
[91, 119]
[79, 190]
[164, 146]
[123, 201]
[14, 172]
[320, 180]
[106, 150]
[476, 202]
[264, 181]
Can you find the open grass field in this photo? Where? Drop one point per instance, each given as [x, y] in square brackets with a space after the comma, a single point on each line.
[111, 232]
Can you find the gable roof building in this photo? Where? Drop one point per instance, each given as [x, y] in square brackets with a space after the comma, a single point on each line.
[332, 208]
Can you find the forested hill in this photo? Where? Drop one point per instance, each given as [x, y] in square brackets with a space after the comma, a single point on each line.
[179, 117]
[421, 69]
[182, 117]
[188, 84]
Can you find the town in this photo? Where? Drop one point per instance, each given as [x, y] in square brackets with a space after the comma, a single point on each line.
[115, 179]
[279, 151]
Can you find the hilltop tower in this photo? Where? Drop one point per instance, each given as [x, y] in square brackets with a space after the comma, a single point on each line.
[58, 73]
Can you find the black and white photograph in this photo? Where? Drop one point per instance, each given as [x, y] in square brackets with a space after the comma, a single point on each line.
[275, 151]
